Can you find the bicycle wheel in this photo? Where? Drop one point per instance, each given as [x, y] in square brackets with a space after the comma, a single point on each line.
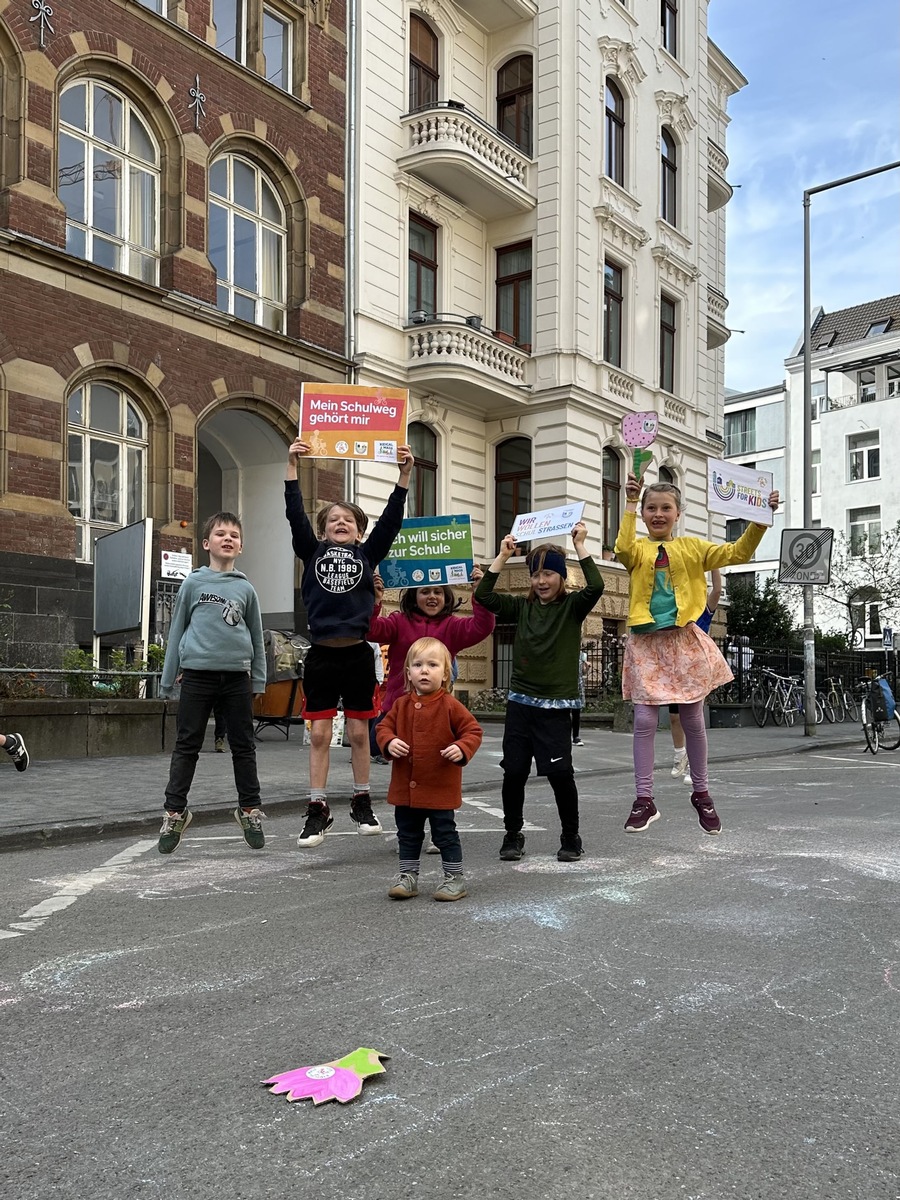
[789, 711]
[779, 708]
[890, 732]
[870, 730]
[759, 706]
[851, 706]
[828, 707]
[820, 707]
[837, 704]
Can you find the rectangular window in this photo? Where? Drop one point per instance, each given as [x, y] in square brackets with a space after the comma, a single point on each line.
[154, 5]
[612, 314]
[740, 432]
[864, 456]
[865, 531]
[817, 402]
[669, 26]
[734, 528]
[815, 484]
[667, 334]
[423, 267]
[865, 382]
[513, 285]
[611, 496]
[278, 48]
[229, 21]
[893, 381]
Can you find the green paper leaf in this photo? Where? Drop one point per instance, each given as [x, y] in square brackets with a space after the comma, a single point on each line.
[363, 1061]
[641, 458]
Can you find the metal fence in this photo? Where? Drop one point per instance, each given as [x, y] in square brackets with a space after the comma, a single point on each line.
[23, 683]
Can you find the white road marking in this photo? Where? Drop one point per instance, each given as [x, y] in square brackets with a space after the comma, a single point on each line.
[498, 812]
[79, 885]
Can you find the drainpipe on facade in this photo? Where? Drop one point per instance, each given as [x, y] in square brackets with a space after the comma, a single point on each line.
[351, 176]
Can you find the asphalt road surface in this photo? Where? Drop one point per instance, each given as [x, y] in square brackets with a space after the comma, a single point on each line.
[675, 1017]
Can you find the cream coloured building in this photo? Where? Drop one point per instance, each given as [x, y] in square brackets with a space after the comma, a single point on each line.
[536, 248]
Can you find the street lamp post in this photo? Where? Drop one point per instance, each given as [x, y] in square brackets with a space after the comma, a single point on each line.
[809, 628]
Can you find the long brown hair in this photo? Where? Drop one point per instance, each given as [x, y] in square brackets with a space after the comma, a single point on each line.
[409, 605]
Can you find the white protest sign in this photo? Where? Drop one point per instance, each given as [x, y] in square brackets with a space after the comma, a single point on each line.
[547, 522]
[739, 491]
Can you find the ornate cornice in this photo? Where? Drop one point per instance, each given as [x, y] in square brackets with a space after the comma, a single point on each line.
[620, 228]
[673, 267]
[674, 111]
[620, 59]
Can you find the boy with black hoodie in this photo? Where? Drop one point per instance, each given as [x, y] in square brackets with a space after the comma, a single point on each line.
[216, 648]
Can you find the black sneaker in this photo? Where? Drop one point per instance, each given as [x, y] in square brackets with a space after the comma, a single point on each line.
[570, 849]
[361, 813]
[318, 821]
[15, 748]
[513, 847]
[173, 827]
[251, 825]
[706, 811]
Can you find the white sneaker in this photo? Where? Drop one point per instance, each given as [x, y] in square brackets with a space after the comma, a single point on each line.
[428, 846]
[679, 763]
[688, 781]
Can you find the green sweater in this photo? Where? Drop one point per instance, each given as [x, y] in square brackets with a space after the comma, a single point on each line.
[548, 636]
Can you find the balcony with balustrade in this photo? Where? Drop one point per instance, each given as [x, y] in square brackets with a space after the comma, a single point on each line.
[463, 156]
[717, 332]
[470, 364]
[718, 190]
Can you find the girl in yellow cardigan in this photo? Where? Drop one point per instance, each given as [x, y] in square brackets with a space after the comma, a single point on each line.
[668, 658]
[430, 737]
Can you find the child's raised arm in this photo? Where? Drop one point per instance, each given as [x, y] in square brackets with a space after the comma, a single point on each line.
[506, 551]
[296, 451]
[407, 462]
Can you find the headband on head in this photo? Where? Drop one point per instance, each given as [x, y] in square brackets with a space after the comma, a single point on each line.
[553, 561]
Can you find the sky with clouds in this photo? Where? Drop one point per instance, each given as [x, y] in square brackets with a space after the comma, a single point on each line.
[821, 103]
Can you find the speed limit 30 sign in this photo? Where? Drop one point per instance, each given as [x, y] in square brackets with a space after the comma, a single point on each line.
[805, 556]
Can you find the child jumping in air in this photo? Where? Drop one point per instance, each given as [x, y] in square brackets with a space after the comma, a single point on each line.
[668, 658]
[543, 688]
[338, 590]
[430, 737]
[216, 647]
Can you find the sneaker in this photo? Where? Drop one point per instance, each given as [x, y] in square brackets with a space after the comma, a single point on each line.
[643, 813]
[361, 813]
[706, 811]
[251, 823]
[453, 888]
[577, 742]
[318, 821]
[513, 847]
[688, 781]
[570, 849]
[17, 751]
[173, 827]
[680, 762]
[381, 760]
[405, 886]
[428, 846]
[221, 745]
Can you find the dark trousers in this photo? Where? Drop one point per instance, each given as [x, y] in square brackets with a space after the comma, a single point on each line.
[565, 793]
[576, 723]
[219, 718]
[200, 691]
[411, 832]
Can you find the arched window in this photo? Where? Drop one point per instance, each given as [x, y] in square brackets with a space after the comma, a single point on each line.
[612, 488]
[247, 242]
[423, 65]
[512, 483]
[422, 499]
[614, 160]
[515, 96]
[668, 182]
[103, 139]
[666, 476]
[107, 458]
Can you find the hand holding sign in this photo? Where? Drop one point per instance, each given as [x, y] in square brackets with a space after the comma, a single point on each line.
[638, 431]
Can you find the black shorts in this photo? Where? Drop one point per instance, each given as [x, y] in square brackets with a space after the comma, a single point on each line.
[333, 673]
[542, 734]
[673, 708]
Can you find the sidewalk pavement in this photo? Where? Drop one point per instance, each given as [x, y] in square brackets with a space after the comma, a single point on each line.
[62, 800]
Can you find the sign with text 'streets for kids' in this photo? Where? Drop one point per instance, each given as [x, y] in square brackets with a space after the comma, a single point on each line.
[547, 522]
[430, 550]
[739, 491]
[342, 420]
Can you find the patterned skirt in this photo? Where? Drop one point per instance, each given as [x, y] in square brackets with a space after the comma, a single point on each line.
[675, 666]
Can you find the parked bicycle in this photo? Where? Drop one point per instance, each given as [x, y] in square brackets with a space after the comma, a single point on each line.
[780, 695]
[880, 727]
[838, 701]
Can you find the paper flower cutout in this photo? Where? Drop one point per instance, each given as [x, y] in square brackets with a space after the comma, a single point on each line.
[639, 429]
[340, 1080]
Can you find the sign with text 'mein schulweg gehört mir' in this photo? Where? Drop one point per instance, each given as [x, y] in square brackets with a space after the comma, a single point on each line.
[343, 420]
[430, 550]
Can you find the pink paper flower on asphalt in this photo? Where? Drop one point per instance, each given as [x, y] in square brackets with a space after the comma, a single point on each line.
[340, 1080]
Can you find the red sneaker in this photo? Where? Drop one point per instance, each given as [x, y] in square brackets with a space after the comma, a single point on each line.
[706, 811]
[643, 813]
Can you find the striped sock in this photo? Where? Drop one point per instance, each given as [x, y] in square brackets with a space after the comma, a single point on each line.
[409, 866]
[452, 868]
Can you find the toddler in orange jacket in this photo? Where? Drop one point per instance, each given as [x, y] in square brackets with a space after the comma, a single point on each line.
[429, 737]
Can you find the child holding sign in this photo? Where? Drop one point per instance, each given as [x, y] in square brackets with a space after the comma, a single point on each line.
[544, 685]
[668, 658]
[338, 590]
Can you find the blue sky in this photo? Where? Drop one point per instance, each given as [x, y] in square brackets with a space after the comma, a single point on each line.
[821, 103]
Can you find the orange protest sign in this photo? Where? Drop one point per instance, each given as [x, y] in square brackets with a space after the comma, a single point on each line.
[343, 420]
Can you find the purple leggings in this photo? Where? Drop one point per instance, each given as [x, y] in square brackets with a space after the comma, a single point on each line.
[646, 719]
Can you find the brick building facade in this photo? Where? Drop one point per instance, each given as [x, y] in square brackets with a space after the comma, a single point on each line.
[172, 265]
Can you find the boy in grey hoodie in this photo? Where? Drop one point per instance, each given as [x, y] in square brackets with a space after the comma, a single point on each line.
[216, 649]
